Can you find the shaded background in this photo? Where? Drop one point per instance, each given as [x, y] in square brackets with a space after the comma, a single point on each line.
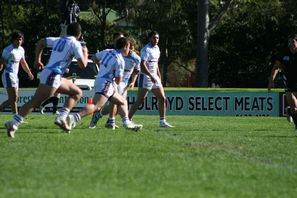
[241, 47]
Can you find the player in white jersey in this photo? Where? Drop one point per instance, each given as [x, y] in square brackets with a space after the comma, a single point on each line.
[109, 76]
[51, 80]
[131, 71]
[12, 56]
[150, 79]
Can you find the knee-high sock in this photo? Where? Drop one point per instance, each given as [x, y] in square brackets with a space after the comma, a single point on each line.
[55, 104]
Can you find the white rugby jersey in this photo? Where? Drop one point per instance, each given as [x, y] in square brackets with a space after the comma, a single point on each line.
[111, 64]
[13, 55]
[151, 55]
[132, 61]
[63, 51]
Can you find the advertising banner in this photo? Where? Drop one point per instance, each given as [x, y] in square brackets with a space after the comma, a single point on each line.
[213, 103]
[208, 103]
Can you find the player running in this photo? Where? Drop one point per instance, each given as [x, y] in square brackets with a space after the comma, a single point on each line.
[51, 80]
[109, 77]
[131, 71]
[286, 63]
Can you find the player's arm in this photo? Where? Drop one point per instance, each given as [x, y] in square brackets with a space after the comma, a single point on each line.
[145, 69]
[119, 71]
[95, 59]
[4, 59]
[2, 62]
[119, 75]
[275, 70]
[83, 61]
[133, 78]
[26, 68]
[38, 52]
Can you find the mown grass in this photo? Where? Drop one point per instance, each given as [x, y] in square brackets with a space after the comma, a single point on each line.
[200, 157]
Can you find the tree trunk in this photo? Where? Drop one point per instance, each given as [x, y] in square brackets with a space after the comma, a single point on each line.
[166, 63]
[202, 44]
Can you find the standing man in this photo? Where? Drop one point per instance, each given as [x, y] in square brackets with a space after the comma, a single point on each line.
[150, 79]
[286, 63]
[51, 80]
[13, 55]
[69, 13]
[131, 71]
[110, 75]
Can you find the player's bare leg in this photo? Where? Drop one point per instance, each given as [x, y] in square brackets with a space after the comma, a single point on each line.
[12, 93]
[159, 93]
[141, 95]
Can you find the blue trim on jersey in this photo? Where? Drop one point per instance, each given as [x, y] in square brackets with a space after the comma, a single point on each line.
[115, 55]
[51, 79]
[131, 58]
[105, 56]
[107, 76]
[103, 60]
[8, 81]
[8, 69]
[56, 67]
[107, 61]
[140, 82]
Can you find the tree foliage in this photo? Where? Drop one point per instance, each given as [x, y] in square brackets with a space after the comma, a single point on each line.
[242, 47]
[242, 41]
[36, 19]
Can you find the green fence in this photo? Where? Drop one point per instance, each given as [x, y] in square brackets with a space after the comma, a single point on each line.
[193, 102]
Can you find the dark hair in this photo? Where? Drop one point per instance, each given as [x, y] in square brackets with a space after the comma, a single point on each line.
[117, 34]
[152, 33]
[292, 36]
[73, 29]
[16, 35]
[121, 42]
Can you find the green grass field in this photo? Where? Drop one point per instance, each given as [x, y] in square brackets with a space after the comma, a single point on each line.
[200, 157]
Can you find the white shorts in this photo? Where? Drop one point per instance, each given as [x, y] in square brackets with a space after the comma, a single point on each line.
[144, 81]
[50, 78]
[10, 80]
[105, 87]
[122, 88]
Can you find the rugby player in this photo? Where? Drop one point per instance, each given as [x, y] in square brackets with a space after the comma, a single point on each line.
[64, 49]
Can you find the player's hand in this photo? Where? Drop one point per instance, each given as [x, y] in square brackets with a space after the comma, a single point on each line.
[131, 86]
[154, 80]
[31, 76]
[39, 65]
